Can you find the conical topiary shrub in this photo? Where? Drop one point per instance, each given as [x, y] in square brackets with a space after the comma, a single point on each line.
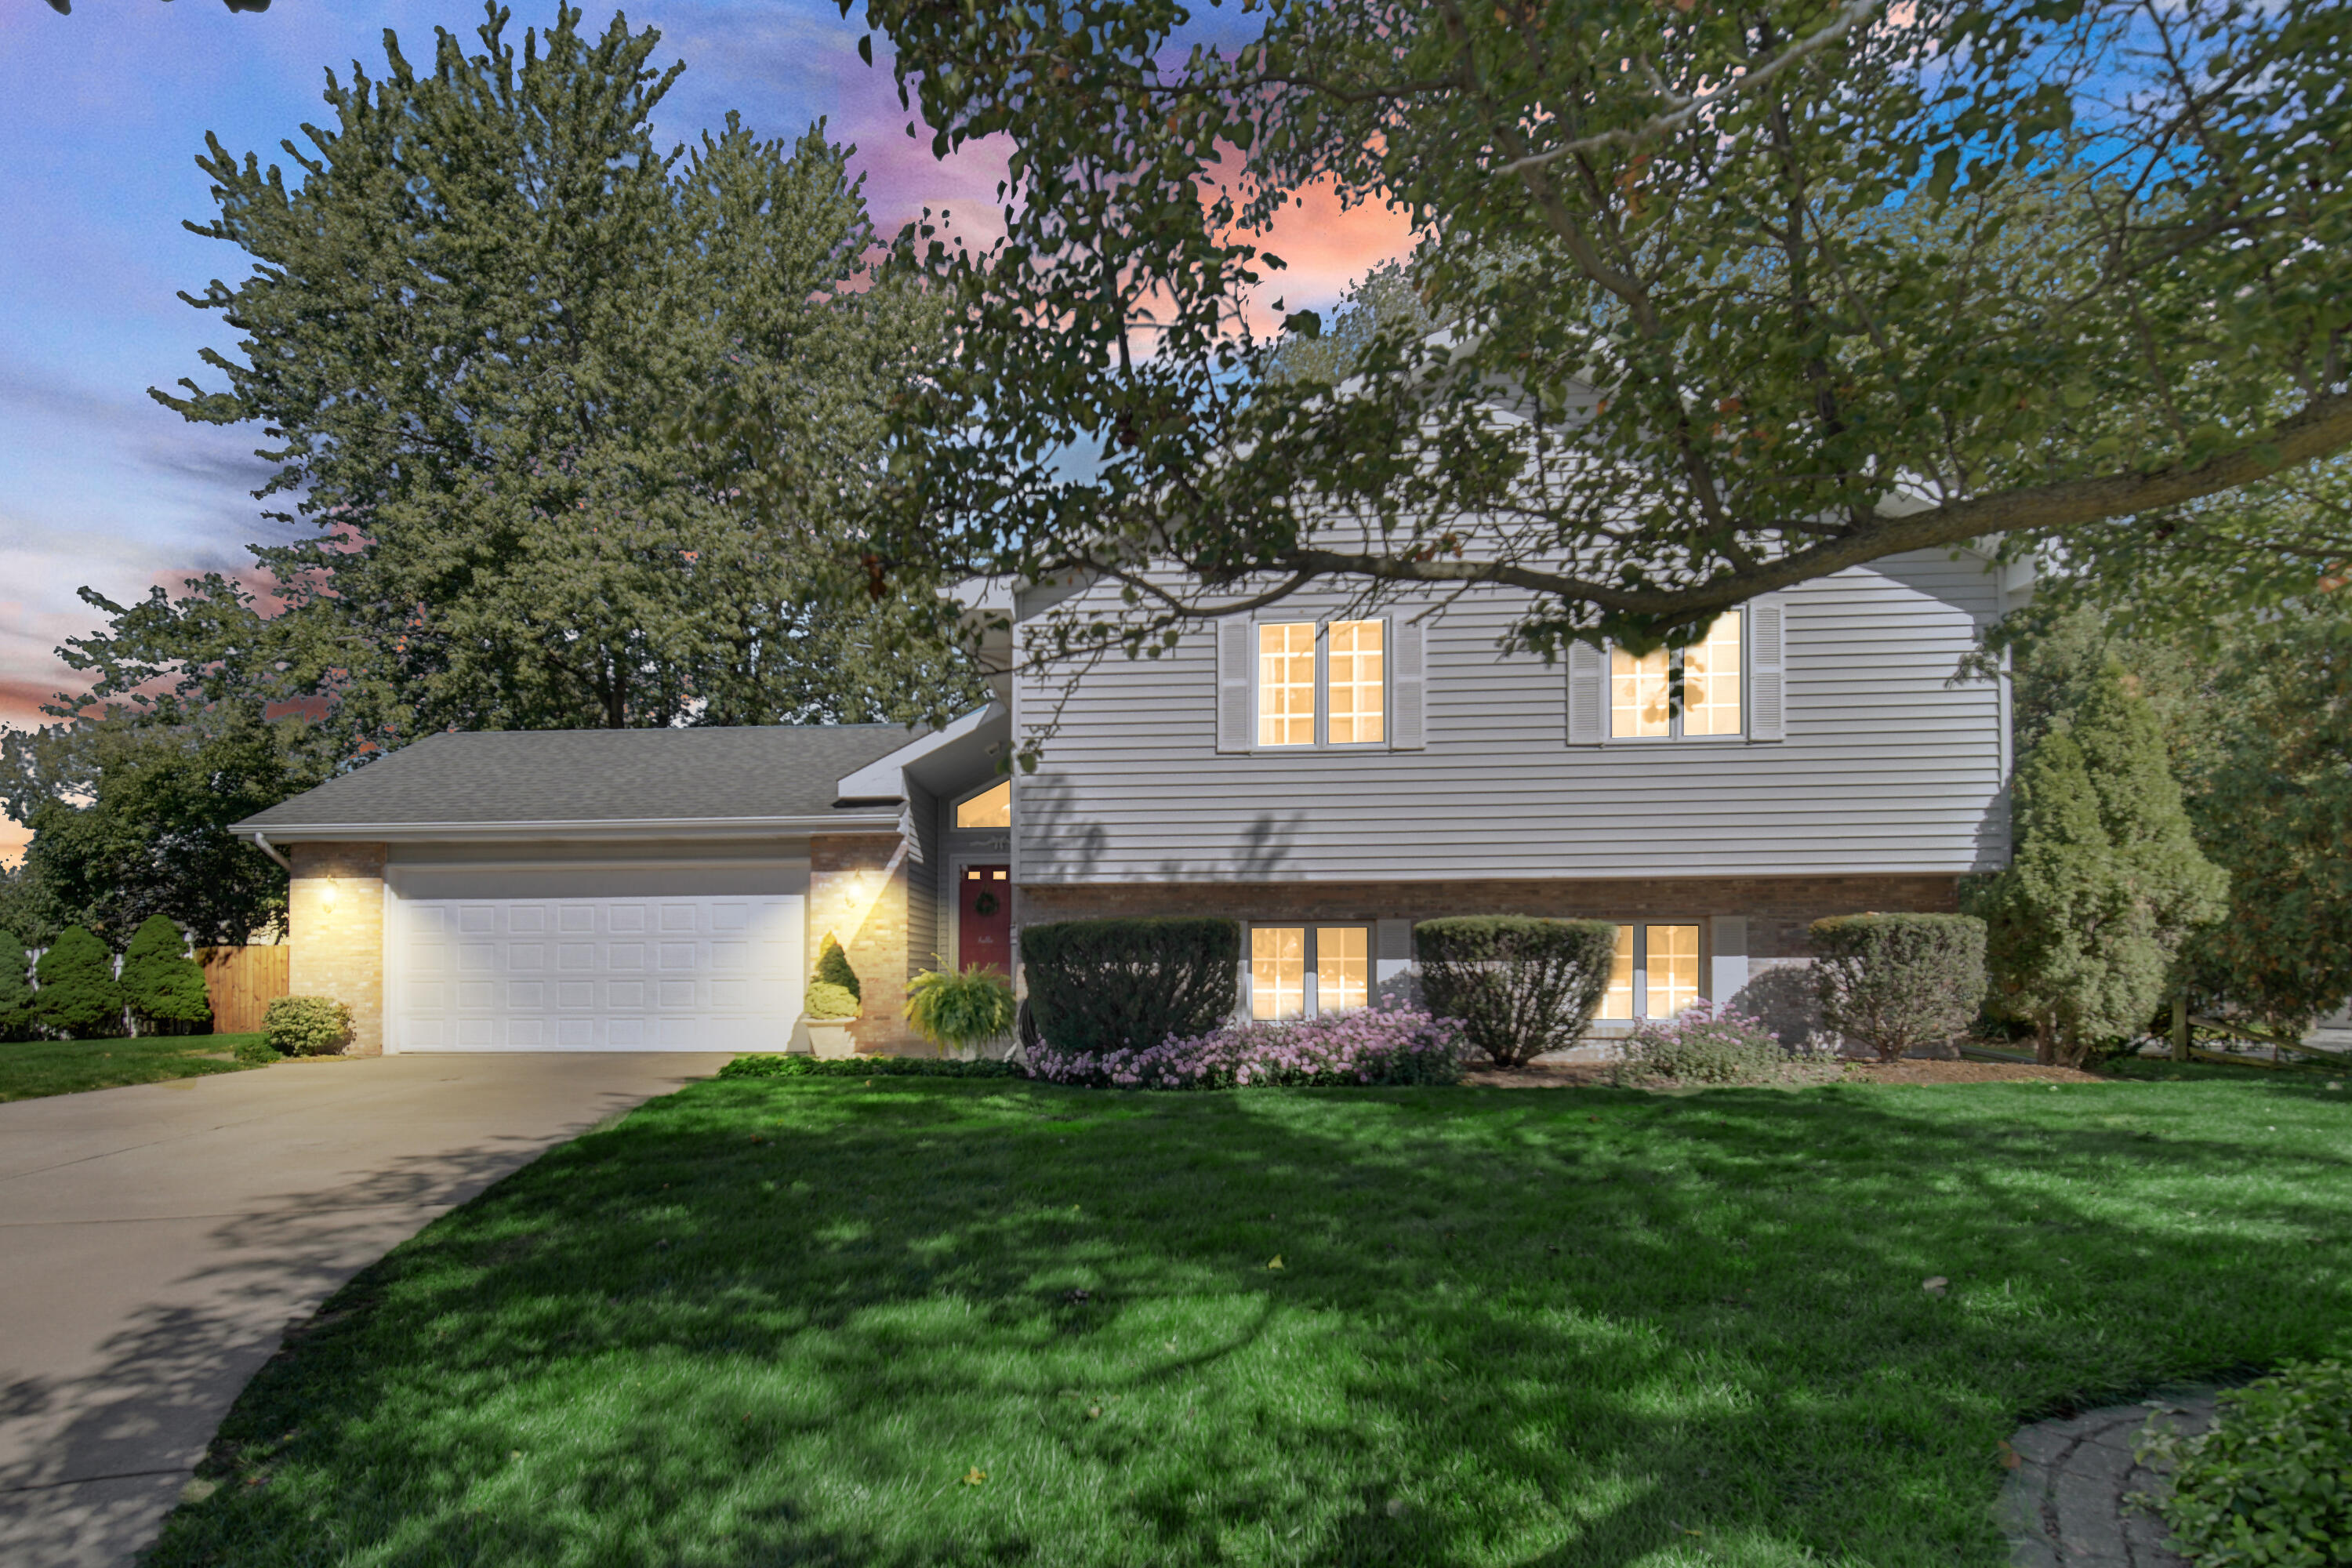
[163, 985]
[832, 968]
[77, 995]
[15, 990]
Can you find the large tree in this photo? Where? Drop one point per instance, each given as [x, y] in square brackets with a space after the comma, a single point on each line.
[1734, 296]
[565, 424]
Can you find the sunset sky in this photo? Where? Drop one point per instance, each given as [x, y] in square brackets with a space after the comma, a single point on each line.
[101, 116]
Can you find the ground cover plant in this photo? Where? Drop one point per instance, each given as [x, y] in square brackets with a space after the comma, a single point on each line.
[947, 1321]
[2270, 1485]
[30, 1069]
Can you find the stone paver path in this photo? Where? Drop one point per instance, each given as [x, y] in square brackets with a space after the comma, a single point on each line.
[2065, 1503]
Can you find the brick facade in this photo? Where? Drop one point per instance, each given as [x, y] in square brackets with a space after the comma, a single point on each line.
[1777, 908]
[858, 891]
[337, 950]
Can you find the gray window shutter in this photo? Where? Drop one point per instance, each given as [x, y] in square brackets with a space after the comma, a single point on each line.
[1393, 980]
[1233, 685]
[1588, 694]
[1730, 960]
[1767, 667]
[1408, 688]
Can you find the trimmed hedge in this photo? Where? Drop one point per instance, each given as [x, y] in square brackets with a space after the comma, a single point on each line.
[768, 1065]
[1898, 983]
[1127, 985]
[1520, 985]
[163, 985]
[78, 997]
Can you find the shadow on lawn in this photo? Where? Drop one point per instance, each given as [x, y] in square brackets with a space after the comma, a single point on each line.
[1570, 1329]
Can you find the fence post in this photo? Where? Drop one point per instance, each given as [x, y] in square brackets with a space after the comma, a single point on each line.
[2180, 1024]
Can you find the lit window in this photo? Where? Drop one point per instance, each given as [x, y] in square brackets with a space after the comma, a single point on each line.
[1618, 1001]
[991, 807]
[1286, 684]
[1673, 969]
[1711, 680]
[1357, 709]
[1637, 694]
[1640, 688]
[1277, 971]
[1343, 967]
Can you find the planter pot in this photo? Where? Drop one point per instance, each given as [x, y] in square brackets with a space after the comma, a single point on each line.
[830, 1037]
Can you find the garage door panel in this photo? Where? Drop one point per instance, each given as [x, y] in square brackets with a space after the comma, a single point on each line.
[719, 972]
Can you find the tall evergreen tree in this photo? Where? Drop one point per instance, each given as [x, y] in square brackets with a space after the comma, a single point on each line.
[2107, 883]
[77, 996]
[164, 986]
[16, 989]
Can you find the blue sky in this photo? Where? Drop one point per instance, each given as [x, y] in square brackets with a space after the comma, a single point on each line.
[101, 116]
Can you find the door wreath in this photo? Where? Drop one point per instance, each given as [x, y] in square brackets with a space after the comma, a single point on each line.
[985, 904]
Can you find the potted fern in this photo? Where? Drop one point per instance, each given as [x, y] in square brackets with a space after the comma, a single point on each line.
[833, 1002]
[961, 1011]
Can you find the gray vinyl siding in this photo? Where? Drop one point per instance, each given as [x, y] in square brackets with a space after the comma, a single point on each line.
[1888, 766]
[924, 880]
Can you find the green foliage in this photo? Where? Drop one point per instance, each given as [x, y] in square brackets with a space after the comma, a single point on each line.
[827, 1001]
[77, 996]
[254, 1050]
[1898, 983]
[16, 989]
[1782, 271]
[1127, 985]
[959, 1009]
[832, 968]
[2270, 1485]
[566, 422]
[2107, 883]
[1702, 1048]
[306, 1025]
[164, 986]
[1521, 986]
[769, 1065]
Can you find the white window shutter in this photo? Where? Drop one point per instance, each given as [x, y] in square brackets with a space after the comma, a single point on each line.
[1767, 666]
[1408, 688]
[1588, 694]
[1233, 685]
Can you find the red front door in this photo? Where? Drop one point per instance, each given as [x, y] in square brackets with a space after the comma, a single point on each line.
[984, 918]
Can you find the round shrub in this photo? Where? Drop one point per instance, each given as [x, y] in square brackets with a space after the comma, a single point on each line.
[78, 997]
[827, 1000]
[306, 1025]
[833, 969]
[1701, 1045]
[958, 1010]
[16, 989]
[1899, 983]
[1521, 986]
[163, 985]
[1127, 985]
[2270, 1485]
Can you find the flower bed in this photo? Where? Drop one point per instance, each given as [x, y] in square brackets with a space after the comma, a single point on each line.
[1376, 1046]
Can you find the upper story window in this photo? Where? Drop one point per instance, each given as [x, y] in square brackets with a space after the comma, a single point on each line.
[1640, 690]
[1330, 689]
[991, 807]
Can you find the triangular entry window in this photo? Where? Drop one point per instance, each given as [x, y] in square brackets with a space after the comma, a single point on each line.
[991, 807]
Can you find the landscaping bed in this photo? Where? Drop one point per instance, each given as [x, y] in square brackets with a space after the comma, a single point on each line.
[937, 1320]
[30, 1069]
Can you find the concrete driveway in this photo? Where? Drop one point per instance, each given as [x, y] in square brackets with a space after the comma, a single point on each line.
[156, 1241]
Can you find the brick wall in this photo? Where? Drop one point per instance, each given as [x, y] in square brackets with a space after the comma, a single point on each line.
[858, 893]
[338, 952]
[1778, 908]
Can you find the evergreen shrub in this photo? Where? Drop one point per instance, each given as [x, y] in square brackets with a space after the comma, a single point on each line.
[1520, 985]
[826, 1001]
[1899, 983]
[306, 1025]
[16, 989]
[833, 969]
[79, 996]
[1129, 985]
[163, 985]
[957, 1010]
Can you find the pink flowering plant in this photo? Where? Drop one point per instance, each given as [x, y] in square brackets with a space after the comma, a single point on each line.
[1374, 1046]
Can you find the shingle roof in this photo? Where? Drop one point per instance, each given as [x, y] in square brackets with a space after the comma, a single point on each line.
[594, 776]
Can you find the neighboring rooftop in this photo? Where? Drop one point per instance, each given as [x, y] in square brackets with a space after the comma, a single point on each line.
[594, 776]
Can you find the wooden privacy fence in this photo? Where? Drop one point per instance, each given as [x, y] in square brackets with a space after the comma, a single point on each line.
[241, 983]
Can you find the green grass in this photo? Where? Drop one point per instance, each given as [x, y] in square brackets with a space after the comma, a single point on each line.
[31, 1068]
[772, 1322]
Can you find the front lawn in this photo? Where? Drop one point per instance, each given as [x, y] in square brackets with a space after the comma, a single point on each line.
[923, 1321]
[31, 1068]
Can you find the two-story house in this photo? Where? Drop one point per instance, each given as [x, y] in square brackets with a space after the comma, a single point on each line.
[1326, 781]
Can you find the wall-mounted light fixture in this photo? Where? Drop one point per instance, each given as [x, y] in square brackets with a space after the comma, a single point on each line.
[327, 896]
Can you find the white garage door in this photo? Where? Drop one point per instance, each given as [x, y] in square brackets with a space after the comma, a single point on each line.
[616, 972]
